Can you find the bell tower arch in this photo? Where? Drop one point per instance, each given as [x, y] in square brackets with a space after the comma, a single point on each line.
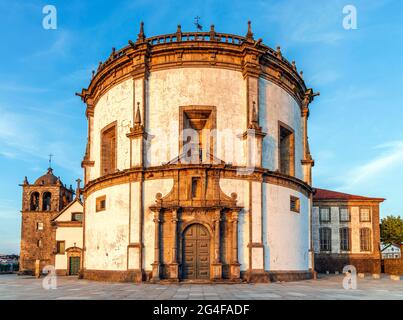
[41, 202]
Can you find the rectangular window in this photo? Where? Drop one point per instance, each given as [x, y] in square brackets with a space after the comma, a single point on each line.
[286, 150]
[365, 239]
[39, 243]
[196, 188]
[60, 247]
[365, 215]
[76, 216]
[294, 204]
[101, 203]
[39, 226]
[324, 215]
[108, 149]
[344, 215]
[325, 239]
[345, 239]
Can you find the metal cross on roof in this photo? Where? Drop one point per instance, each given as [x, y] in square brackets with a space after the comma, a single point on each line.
[50, 160]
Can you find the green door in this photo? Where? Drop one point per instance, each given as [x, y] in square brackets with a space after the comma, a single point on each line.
[74, 265]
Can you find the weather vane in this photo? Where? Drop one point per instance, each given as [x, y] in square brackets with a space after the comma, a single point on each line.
[197, 24]
[50, 161]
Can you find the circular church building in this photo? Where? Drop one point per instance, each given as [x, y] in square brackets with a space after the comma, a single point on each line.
[197, 165]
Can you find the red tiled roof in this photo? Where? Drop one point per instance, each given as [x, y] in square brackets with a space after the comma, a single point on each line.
[322, 194]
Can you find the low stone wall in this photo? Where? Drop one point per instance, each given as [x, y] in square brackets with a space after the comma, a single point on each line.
[393, 266]
[111, 276]
[333, 263]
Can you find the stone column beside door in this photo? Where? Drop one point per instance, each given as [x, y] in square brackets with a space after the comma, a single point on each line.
[216, 273]
[235, 267]
[174, 266]
[156, 265]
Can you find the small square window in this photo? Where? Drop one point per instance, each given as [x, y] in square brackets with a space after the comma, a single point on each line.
[101, 203]
[39, 226]
[294, 204]
[60, 247]
[344, 215]
[325, 214]
[39, 243]
[77, 216]
[365, 215]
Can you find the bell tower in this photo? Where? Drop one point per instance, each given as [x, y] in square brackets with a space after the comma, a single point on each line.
[41, 202]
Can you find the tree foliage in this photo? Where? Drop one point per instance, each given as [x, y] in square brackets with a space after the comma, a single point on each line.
[392, 230]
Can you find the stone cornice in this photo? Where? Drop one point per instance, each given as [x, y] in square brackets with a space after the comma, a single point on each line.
[170, 171]
[195, 50]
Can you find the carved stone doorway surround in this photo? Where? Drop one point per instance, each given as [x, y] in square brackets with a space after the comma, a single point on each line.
[214, 211]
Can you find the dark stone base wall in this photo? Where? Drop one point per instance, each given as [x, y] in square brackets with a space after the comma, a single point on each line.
[393, 266]
[289, 276]
[113, 276]
[137, 276]
[333, 263]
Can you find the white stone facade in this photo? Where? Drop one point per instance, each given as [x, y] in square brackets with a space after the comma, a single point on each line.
[271, 235]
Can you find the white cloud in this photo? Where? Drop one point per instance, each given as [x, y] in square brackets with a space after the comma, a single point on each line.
[390, 159]
[34, 135]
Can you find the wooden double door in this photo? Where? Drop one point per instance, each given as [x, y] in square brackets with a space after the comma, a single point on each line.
[196, 253]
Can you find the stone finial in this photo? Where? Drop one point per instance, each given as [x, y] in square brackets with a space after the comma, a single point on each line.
[254, 121]
[179, 33]
[137, 118]
[301, 74]
[294, 65]
[212, 32]
[26, 180]
[254, 113]
[249, 34]
[78, 188]
[113, 52]
[93, 73]
[141, 36]
[278, 50]
[99, 65]
[58, 182]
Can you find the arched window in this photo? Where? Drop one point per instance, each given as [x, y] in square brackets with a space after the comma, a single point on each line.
[34, 201]
[46, 204]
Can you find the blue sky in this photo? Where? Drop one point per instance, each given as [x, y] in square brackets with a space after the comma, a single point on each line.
[355, 126]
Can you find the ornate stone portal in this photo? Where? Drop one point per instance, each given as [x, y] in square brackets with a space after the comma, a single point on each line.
[196, 230]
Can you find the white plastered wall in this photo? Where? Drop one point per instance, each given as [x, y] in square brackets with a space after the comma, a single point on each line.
[73, 237]
[170, 89]
[277, 105]
[115, 105]
[285, 233]
[107, 232]
[241, 188]
[151, 188]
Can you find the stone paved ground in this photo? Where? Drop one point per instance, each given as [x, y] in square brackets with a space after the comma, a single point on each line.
[327, 287]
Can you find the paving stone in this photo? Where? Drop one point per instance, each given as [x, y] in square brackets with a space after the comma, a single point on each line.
[326, 288]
